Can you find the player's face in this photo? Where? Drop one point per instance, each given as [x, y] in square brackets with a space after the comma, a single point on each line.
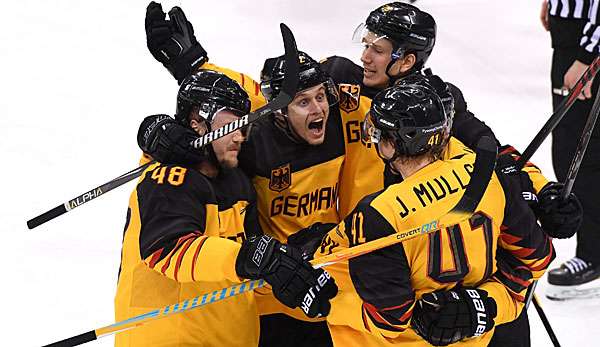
[376, 56]
[307, 114]
[227, 148]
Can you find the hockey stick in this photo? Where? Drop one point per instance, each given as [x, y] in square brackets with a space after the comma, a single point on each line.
[560, 112]
[288, 90]
[569, 182]
[581, 147]
[183, 306]
[545, 321]
[482, 171]
[85, 197]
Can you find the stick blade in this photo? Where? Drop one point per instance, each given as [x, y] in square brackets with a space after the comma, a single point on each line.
[292, 70]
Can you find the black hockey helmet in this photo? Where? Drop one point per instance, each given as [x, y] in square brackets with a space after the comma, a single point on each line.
[411, 116]
[408, 28]
[438, 85]
[267, 70]
[211, 92]
[310, 75]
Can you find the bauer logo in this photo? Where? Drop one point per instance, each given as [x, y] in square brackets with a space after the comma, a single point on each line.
[260, 250]
[281, 178]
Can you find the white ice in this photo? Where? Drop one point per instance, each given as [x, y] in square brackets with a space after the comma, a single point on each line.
[76, 79]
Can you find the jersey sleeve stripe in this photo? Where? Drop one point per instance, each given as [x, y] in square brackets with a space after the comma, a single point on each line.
[167, 262]
[184, 249]
[379, 321]
[201, 241]
[155, 258]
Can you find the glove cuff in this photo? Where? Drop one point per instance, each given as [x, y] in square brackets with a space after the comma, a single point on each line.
[188, 63]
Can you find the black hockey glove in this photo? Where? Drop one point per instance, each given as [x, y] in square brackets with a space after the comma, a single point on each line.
[309, 239]
[294, 281]
[172, 42]
[559, 218]
[506, 165]
[167, 141]
[446, 317]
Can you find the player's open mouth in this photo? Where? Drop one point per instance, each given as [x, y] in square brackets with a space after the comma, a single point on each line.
[316, 127]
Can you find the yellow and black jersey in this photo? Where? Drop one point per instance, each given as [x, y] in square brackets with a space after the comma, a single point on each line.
[181, 240]
[297, 183]
[363, 169]
[500, 249]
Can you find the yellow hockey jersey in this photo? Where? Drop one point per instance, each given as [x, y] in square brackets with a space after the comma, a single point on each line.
[181, 240]
[362, 172]
[500, 249]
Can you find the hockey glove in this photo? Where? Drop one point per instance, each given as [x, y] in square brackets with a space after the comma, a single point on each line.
[172, 42]
[167, 141]
[506, 165]
[309, 239]
[295, 283]
[559, 218]
[446, 317]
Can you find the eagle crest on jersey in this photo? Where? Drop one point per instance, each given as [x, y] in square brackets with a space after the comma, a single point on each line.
[349, 97]
[281, 178]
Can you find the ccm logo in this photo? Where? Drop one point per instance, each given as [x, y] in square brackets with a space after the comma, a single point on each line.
[481, 315]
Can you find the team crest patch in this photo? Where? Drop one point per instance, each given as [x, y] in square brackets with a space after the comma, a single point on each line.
[281, 178]
[349, 97]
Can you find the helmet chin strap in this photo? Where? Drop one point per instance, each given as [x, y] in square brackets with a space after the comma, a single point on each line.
[394, 78]
[387, 70]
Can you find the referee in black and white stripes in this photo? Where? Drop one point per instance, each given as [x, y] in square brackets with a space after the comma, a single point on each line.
[574, 27]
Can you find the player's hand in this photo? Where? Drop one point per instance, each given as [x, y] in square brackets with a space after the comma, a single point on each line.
[172, 41]
[559, 218]
[506, 165]
[294, 281]
[167, 141]
[446, 317]
[572, 76]
[544, 15]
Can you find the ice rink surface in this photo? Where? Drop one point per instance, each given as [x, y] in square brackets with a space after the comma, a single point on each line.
[76, 79]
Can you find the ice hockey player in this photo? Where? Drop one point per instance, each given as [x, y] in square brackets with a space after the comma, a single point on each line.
[355, 181]
[453, 285]
[192, 229]
[398, 39]
[294, 157]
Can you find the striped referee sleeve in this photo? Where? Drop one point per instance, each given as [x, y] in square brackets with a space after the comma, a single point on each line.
[591, 35]
[570, 8]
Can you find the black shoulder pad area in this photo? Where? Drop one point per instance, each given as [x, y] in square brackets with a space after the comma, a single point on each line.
[460, 105]
[342, 70]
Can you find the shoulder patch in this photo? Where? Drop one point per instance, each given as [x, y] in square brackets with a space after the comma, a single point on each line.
[281, 178]
[349, 97]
